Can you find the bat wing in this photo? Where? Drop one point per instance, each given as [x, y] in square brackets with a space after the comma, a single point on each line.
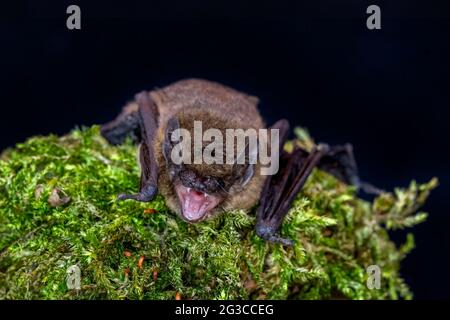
[142, 124]
[294, 168]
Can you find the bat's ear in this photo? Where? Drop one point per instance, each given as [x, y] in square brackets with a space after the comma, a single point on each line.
[242, 175]
[244, 172]
[172, 125]
[248, 174]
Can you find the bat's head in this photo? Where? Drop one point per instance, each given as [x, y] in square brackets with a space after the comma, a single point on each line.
[201, 189]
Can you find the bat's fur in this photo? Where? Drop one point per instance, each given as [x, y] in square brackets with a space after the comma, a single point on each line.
[219, 107]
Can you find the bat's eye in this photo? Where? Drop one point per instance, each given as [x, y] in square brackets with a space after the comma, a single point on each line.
[212, 184]
[208, 182]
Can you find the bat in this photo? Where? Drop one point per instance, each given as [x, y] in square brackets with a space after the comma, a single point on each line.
[197, 191]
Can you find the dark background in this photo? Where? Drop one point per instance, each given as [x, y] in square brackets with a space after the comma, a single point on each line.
[314, 62]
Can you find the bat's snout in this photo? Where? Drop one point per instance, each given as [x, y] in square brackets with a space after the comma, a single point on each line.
[195, 205]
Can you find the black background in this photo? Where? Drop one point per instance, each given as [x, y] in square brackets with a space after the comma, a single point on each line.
[314, 62]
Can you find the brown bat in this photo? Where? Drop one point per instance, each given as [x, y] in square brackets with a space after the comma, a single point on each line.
[198, 191]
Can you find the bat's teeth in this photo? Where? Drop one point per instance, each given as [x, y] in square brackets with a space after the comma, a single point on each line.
[203, 208]
[188, 189]
[205, 195]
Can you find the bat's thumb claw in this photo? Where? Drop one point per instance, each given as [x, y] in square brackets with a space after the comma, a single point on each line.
[147, 194]
[123, 196]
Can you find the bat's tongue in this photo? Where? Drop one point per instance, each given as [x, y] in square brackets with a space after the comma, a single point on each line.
[195, 204]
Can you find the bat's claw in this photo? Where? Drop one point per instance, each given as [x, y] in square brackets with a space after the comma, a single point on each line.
[146, 195]
[269, 234]
[283, 241]
[370, 189]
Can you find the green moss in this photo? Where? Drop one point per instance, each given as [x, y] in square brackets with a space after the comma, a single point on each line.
[337, 235]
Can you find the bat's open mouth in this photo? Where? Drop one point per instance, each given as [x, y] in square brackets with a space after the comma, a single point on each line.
[195, 205]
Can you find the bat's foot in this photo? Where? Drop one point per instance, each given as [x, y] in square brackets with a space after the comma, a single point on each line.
[269, 234]
[125, 125]
[146, 195]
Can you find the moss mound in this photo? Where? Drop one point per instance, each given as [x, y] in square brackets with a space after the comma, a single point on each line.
[58, 212]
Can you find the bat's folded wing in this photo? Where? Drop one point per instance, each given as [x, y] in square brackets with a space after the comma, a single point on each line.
[280, 190]
[294, 168]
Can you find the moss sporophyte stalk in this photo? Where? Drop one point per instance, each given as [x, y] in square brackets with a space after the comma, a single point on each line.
[59, 217]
